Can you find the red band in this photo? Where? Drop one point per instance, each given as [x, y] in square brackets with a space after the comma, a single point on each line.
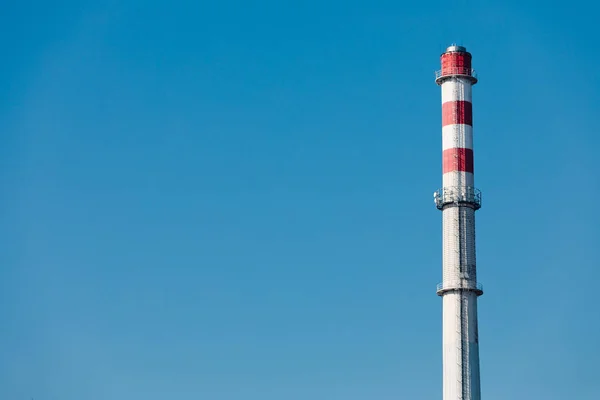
[457, 159]
[456, 63]
[457, 112]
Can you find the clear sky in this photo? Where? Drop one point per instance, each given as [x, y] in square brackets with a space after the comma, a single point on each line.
[232, 200]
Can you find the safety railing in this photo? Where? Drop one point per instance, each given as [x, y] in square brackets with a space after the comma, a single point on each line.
[458, 195]
[459, 285]
[461, 71]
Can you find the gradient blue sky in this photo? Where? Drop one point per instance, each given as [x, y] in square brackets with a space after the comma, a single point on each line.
[233, 200]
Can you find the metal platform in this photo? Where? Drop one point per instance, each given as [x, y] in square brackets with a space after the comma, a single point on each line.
[467, 73]
[458, 195]
[463, 284]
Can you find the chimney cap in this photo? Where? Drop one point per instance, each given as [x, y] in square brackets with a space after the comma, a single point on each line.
[456, 48]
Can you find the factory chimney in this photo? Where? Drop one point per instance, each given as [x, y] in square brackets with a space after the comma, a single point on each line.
[458, 199]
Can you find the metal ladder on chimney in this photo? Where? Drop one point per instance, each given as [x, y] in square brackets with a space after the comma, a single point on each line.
[459, 347]
[461, 132]
[465, 346]
[463, 379]
[462, 315]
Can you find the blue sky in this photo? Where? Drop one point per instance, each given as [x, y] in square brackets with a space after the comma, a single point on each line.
[233, 200]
